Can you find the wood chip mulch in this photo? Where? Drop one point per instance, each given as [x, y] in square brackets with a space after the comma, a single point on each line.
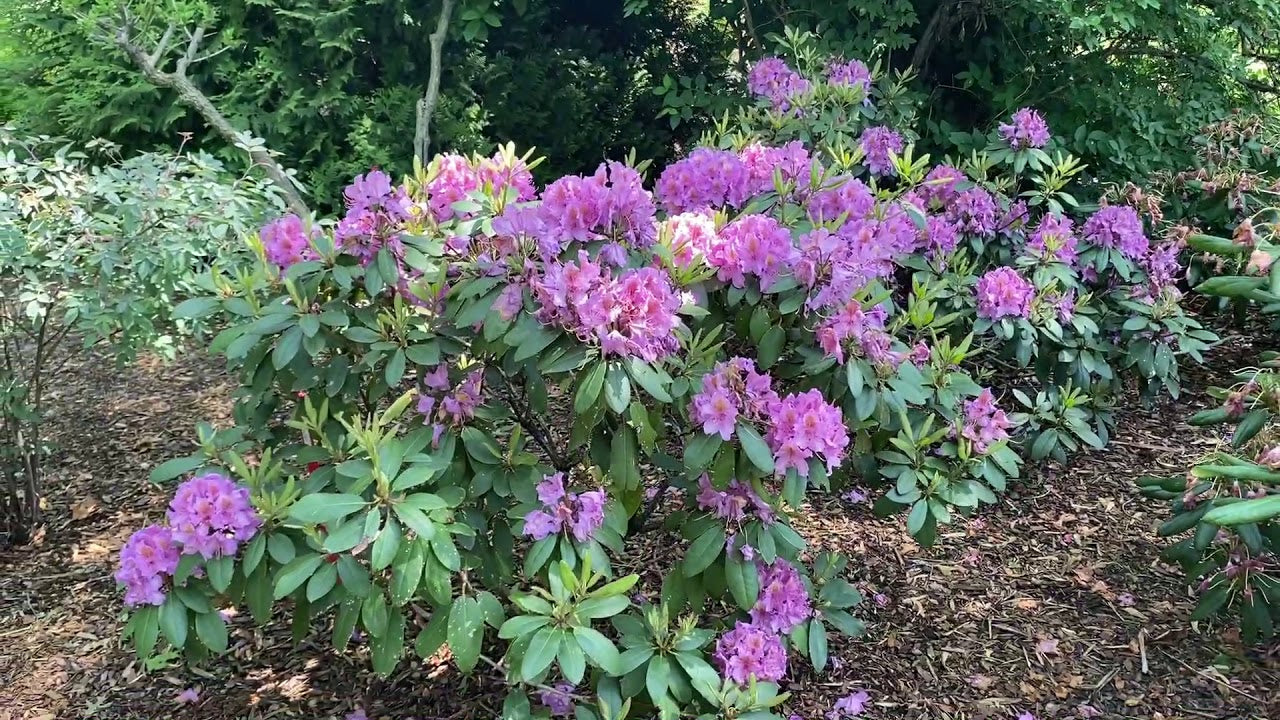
[1053, 602]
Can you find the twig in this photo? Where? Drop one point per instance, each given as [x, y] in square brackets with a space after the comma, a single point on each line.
[1204, 674]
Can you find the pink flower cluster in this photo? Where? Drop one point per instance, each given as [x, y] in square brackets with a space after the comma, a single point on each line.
[1002, 292]
[877, 144]
[1027, 129]
[211, 516]
[749, 651]
[690, 236]
[783, 603]
[984, 423]
[773, 79]
[866, 329]
[806, 425]
[854, 74]
[444, 407]
[453, 177]
[1054, 239]
[1118, 227]
[734, 502]
[791, 162]
[579, 514]
[285, 242]
[633, 314]
[752, 245]
[376, 215]
[861, 250]
[148, 558]
[612, 203]
[732, 390]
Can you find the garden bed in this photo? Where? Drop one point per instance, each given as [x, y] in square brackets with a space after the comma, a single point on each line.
[1052, 600]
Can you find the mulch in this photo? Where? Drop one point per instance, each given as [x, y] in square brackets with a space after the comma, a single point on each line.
[1053, 602]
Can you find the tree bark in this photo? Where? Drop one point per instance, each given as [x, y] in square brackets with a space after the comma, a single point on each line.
[426, 106]
[191, 96]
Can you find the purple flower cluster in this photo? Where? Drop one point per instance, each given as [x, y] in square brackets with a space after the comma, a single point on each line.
[853, 73]
[749, 651]
[805, 425]
[285, 242]
[1054, 239]
[734, 502]
[707, 178]
[783, 603]
[984, 423]
[877, 144]
[940, 186]
[752, 245]
[444, 407]
[1118, 227]
[861, 250]
[1162, 267]
[211, 516]
[376, 215]
[773, 79]
[611, 203]
[1002, 292]
[558, 698]
[580, 514]
[633, 314]
[732, 390]
[1027, 129]
[975, 211]
[941, 236]
[148, 558]
[848, 197]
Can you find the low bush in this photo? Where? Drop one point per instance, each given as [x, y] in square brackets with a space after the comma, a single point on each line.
[95, 250]
[464, 403]
[1228, 500]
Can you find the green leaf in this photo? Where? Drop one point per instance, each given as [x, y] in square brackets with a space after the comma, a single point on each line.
[541, 651]
[743, 580]
[602, 652]
[916, 518]
[292, 576]
[345, 623]
[817, 644]
[374, 614]
[466, 631]
[481, 446]
[389, 646]
[446, 552]
[573, 664]
[173, 621]
[171, 469]
[345, 536]
[699, 452]
[658, 678]
[1247, 511]
[395, 368]
[434, 635]
[603, 607]
[386, 545]
[416, 520]
[212, 631]
[286, 347]
[704, 550]
[194, 308]
[522, 625]
[617, 389]
[406, 572]
[322, 582]
[757, 450]
[325, 507]
[220, 570]
[649, 379]
[589, 388]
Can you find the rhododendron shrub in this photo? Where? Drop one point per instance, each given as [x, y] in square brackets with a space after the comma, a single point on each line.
[1228, 500]
[455, 419]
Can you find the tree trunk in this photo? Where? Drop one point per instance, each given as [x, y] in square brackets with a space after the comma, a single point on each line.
[426, 106]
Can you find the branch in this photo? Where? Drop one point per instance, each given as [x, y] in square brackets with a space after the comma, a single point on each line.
[121, 35]
[427, 103]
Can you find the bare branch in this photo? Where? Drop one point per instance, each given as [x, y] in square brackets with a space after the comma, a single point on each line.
[427, 103]
[193, 46]
[163, 46]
